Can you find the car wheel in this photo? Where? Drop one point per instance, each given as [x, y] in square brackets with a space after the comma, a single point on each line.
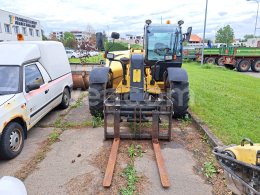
[65, 99]
[72, 56]
[12, 141]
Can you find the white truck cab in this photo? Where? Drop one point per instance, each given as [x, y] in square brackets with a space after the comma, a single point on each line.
[35, 77]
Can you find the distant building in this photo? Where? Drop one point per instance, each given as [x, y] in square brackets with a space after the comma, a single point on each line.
[253, 42]
[79, 35]
[195, 39]
[12, 24]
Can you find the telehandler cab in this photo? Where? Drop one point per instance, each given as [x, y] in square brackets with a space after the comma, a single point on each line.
[141, 86]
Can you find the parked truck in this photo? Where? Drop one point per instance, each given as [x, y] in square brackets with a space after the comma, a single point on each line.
[211, 56]
[188, 53]
[35, 77]
[242, 58]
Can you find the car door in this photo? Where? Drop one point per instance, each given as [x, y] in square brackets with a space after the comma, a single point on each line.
[36, 99]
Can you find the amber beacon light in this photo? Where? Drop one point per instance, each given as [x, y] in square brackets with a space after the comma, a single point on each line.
[20, 37]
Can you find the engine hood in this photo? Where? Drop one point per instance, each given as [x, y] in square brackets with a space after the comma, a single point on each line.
[5, 98]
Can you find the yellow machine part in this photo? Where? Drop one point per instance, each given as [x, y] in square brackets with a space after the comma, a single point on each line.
[117, 71]
[246, 153]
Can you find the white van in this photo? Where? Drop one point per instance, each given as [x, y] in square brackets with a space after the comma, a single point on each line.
[35, 77]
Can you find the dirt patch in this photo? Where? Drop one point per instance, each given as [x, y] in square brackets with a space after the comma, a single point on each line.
[29, 167]
[80, 184]
[196, 143]
[100, 160]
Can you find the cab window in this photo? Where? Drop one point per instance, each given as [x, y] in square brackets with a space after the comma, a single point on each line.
[33, 75]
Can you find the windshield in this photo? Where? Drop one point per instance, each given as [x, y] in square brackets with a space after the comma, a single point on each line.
[161, 42]
[9, 79]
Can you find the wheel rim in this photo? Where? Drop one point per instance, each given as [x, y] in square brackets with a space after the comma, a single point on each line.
[245, 66]
[257, 66]
[66, 99]
[15, 140]
[210, 61]
[221, 62]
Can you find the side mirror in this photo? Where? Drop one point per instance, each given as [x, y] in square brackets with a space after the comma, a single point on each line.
[188, 34]
[32, 87]
[115, 35]
[99, 41]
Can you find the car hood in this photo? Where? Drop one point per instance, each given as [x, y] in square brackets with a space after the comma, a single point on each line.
[5, 98]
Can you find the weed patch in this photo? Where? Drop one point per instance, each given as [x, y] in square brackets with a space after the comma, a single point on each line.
[209, 169]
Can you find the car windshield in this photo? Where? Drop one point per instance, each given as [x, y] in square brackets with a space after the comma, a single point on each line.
[9, 79]
[161, 42]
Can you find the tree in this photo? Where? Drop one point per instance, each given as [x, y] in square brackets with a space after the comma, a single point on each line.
[225, 35]
[89, 39]
[69, 40]
[44, 38]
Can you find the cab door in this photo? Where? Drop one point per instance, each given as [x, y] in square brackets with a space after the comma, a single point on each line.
[36, 99]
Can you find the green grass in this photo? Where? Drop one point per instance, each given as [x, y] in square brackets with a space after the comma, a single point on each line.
[130, 172]
[54, 136]
[209, 169]
[227, 101]
[93, 59]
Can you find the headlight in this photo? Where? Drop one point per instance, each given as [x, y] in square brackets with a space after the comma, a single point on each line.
[168, 58]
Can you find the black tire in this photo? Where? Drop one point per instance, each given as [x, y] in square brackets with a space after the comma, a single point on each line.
[243, 66]
[180, 98]
[210, 60]
[256, 66]
[229, 66]
[96, 99]
[220, 61]
[72, 56]
[65, 99]
[205, 60]
[12, 141]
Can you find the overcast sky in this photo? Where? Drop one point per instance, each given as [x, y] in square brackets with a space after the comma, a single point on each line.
[129, 16]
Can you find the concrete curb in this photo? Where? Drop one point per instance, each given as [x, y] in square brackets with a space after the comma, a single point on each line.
[212, 139]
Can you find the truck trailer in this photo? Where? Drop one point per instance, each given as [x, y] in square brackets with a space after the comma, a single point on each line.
[242, 58]
[211, 56]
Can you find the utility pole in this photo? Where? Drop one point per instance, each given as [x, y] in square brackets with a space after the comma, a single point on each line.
[256, 14]
[203, 41]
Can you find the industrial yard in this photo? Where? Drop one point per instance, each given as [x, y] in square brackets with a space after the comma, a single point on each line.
[129, 98]
[66, 149]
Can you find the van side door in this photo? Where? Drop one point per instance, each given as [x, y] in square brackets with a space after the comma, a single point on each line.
[36, 99]
[55, 88]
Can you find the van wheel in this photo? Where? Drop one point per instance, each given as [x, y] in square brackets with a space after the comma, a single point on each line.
[65, 99]
[12, 141]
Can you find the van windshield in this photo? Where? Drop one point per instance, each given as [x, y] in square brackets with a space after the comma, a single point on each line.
[9, 79]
